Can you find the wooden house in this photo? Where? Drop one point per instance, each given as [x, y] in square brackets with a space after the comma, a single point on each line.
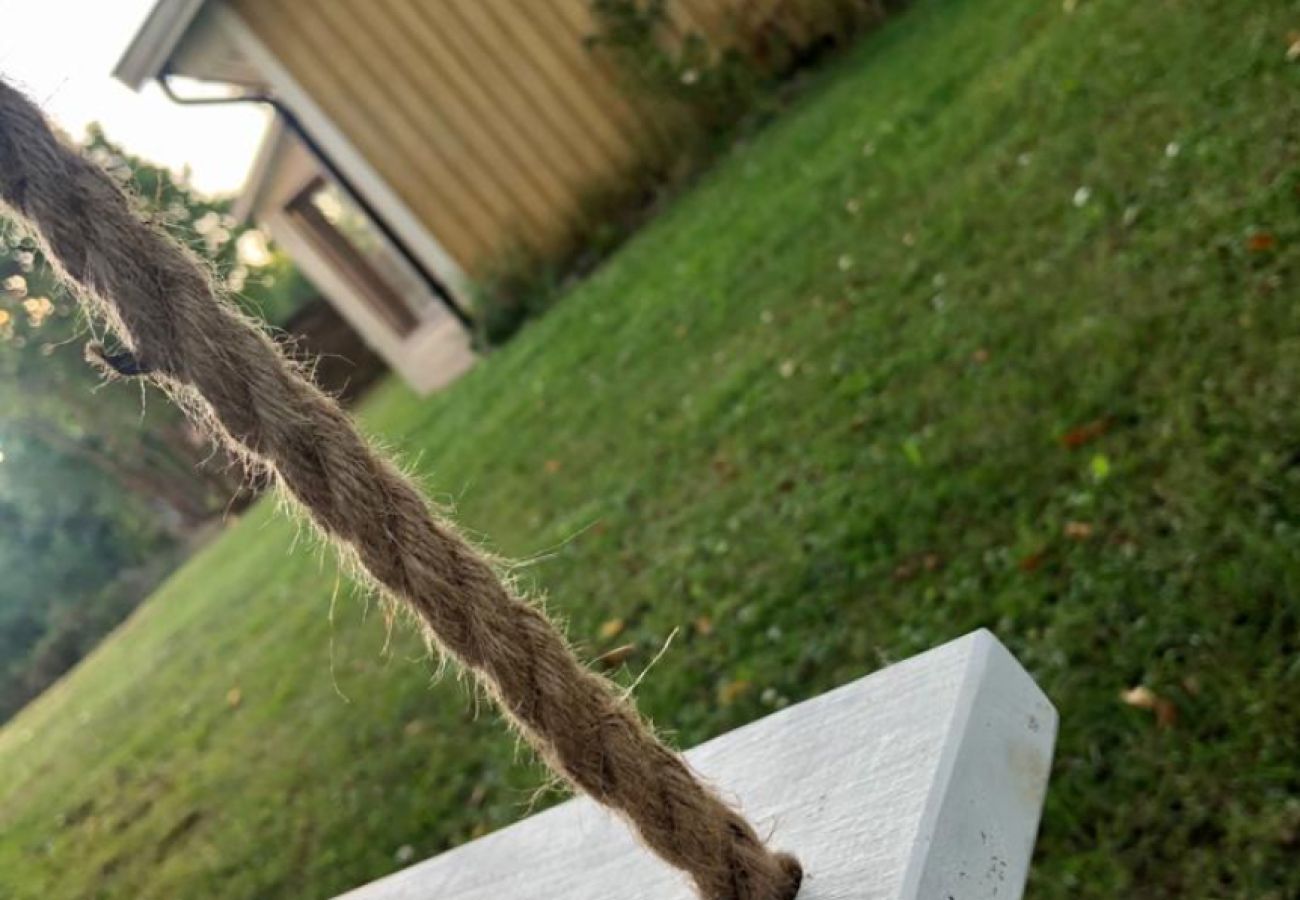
[419, 142]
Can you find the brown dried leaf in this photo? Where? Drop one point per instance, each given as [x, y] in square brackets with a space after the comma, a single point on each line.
[1261, 242]
[732, 691]
[723, 468]
[1078, 531]
[905, 571]
[1085, 434]
[1166, 713]
[1032, 562]
[612, 629]
[616, 657]
[1142, 697]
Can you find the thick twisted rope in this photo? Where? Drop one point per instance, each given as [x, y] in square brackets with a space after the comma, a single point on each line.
[160, 302]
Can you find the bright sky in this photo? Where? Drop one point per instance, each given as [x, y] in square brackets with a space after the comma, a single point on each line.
[62, 52]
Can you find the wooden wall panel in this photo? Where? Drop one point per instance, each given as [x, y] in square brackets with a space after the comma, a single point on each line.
[490, 118]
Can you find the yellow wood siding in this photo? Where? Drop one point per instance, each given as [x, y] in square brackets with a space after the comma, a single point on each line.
[490, 118]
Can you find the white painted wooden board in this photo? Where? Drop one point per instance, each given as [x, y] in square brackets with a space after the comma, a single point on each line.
[924, 780]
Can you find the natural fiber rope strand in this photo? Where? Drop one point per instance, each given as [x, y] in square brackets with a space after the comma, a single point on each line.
[159, 300]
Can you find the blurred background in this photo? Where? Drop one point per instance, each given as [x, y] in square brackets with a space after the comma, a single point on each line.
[803, 334]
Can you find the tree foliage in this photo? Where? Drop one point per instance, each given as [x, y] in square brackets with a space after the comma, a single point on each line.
[100, 488]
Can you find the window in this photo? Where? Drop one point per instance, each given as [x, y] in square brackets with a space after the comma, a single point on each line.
[345, 235]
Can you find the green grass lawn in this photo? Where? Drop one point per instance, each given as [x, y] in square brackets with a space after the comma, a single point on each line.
[997, 327]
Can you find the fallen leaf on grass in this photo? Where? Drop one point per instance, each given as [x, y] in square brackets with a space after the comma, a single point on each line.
[1032, 562]
[910, 568]
[732, 691]
[1078, 531]
[905, 571]
[1261, 242]
[234, 697]
[616, 657]
[1166, 713]
[723, 468]
[612, 629]
[1142, 697]
[1085, 434]
[1099, 466]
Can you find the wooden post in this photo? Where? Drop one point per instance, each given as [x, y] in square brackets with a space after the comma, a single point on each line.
[923, 781]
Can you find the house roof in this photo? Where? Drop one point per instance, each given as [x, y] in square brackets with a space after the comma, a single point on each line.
[153, 44]
[187, 37]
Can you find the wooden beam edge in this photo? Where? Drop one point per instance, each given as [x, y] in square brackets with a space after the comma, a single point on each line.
[976, 837]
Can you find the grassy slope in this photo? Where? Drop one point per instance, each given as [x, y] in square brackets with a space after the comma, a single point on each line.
[770, 411]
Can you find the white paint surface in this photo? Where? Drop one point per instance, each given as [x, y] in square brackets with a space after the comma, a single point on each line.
[924, 780]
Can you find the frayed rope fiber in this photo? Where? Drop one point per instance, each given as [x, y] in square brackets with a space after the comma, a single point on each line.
[160, 302]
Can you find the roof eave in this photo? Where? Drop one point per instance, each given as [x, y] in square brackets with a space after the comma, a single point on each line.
[162, 30]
